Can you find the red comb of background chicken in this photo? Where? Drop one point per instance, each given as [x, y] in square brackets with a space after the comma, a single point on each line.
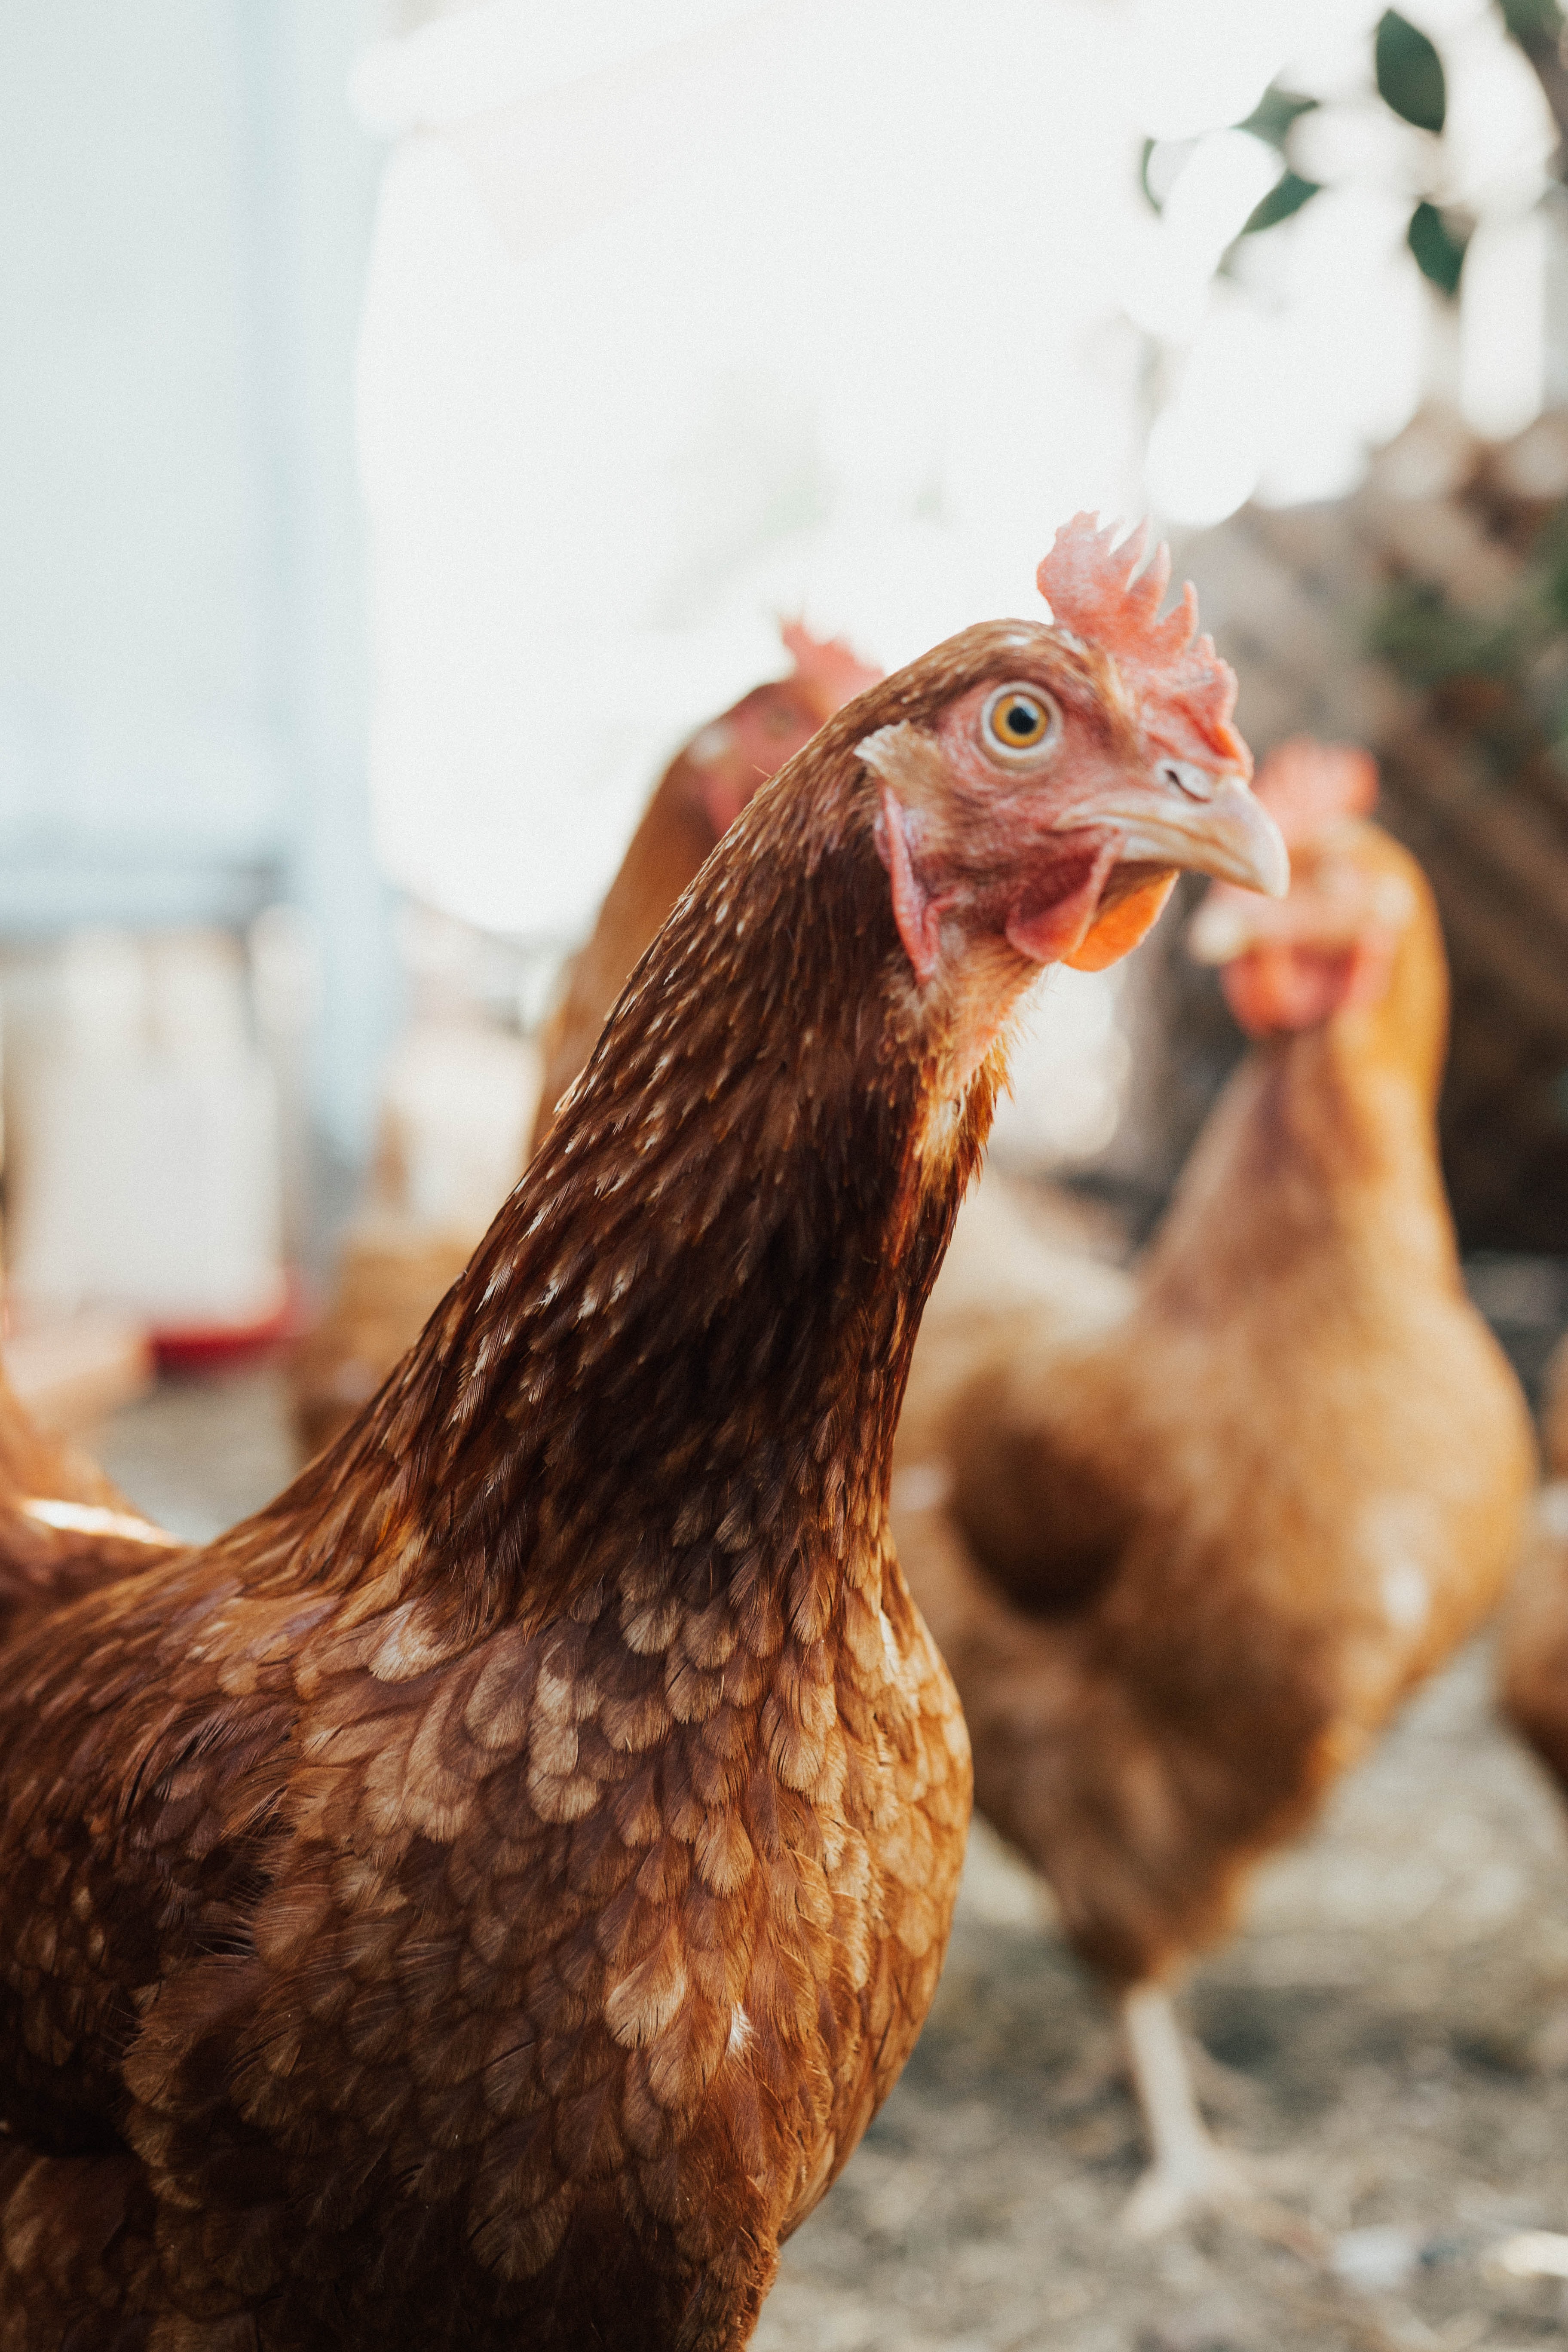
[1094, 589]
[1308, 787]
[826, 667]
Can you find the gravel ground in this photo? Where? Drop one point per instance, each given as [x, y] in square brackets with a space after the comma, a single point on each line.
[1382, 2029]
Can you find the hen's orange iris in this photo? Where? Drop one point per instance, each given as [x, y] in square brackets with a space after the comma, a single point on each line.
[1016, 720]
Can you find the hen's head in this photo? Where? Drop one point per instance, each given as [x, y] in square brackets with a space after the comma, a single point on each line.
[736, 752]
[1041, 787]
[1331, 945]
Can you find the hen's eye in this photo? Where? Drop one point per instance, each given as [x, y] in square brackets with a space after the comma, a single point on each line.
[1019, 722]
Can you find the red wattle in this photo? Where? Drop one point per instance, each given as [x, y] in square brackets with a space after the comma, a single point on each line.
[1050, 933]
[1117, 932]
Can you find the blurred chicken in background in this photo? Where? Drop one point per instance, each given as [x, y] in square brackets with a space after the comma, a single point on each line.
[1184, 1567]
[398, 1266]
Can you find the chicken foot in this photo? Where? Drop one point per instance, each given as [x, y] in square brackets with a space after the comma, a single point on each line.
[1191, 2172]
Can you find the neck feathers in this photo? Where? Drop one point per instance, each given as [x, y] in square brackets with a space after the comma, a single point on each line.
[1323, 1146]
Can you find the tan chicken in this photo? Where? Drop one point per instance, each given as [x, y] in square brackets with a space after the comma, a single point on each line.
[1183, 1569]
[481, 1900]
[394, 1274]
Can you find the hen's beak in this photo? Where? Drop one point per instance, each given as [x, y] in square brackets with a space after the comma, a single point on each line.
[1203, 825]
[1184, 818]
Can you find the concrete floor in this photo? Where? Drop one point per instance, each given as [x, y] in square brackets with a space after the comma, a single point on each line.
[1379, 2025]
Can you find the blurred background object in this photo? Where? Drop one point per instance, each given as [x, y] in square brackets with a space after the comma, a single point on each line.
[1425, 616]
[117, 1047]
[576, 355]
[1410, 599]
[183, 672]
[183, 824]
[459, 1095]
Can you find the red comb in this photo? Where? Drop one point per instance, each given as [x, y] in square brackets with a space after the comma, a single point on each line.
[1308, 787]
[1185, 691]
[830, 671]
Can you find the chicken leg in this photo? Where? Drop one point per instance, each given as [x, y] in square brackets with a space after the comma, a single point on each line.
[1190, 2173]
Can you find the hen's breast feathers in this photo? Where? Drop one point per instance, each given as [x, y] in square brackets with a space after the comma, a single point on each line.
[564, 1910]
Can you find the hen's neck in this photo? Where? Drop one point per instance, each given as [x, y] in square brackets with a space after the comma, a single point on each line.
[685, 1339]
[1317, 1171]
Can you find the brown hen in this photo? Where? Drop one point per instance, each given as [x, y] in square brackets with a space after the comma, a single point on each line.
[1184, 1569]
[481, 1900]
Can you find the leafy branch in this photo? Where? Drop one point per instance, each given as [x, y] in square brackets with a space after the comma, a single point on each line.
[1412, 84]
[1448, 653]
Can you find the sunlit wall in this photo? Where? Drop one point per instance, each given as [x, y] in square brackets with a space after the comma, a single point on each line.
[187, 203]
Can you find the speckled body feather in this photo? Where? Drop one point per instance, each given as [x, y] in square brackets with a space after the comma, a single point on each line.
[481, 1900]
[1185, 1570]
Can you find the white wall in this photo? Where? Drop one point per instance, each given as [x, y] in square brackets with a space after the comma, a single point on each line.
[186, 202]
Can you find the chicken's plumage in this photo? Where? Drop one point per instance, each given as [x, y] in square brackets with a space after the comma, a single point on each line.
[482, 1899]
[1184, 1569]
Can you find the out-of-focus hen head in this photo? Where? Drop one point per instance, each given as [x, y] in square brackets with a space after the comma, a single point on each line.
[1331, 945]
[1054, 780]
[734, 754]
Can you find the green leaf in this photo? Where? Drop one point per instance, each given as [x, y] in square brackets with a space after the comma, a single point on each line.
[1439, 251]
[1427, 642]
[1532, 20]
[1276, 110]
[1555, 584]
[1410, 72]
[1149, 147]
[1286, 197]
